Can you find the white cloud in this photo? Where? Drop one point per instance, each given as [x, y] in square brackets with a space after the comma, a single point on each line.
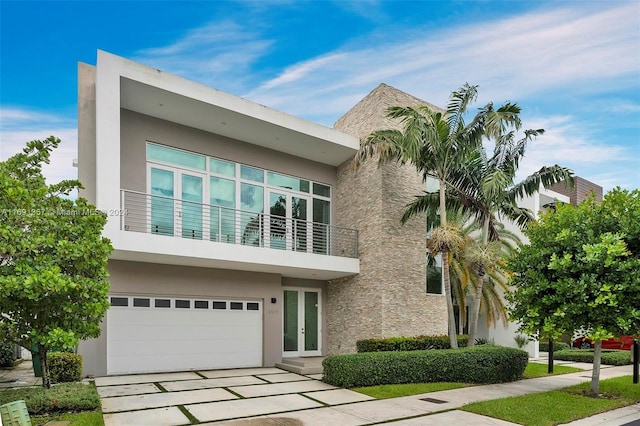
[19, 126]
[578, 48]
[570, 143]
[219, 54]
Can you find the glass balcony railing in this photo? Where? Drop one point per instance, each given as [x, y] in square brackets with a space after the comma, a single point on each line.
[156, 214]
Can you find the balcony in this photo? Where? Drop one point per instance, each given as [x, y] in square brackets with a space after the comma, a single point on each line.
[164, 216]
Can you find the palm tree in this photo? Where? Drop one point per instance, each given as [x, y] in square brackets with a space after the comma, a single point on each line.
[437, 145]
[486, 188]
[463, 264]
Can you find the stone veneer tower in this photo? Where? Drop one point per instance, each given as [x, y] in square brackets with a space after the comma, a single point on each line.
[388, 298]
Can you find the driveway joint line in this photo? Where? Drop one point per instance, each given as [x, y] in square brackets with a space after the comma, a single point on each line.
[159, 386]
[192, 419]
[233, 393]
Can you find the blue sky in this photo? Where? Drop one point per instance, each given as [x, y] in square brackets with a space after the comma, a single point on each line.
[573, 67]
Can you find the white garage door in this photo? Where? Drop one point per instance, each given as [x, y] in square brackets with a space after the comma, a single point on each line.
[148, 334]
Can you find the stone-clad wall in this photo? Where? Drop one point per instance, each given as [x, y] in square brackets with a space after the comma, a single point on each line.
[388, 298]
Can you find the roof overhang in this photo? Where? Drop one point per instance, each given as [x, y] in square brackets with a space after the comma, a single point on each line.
[172, 98]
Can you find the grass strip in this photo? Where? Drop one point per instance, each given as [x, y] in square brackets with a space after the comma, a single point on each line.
[560, 406]
[407, 389]
[534, 370]
[85, 418]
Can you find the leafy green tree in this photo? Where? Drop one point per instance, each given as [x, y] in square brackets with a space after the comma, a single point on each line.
[53, 277]
[438, 144]
[580, 270]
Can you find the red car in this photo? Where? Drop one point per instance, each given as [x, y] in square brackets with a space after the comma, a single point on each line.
[623, 342]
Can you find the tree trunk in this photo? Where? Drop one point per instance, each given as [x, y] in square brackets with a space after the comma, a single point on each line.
[453, 338]
[44, 365]
[475, 309]
[595, 374]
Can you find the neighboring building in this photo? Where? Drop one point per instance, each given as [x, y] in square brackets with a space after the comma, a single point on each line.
[537, 203]
[580, 190]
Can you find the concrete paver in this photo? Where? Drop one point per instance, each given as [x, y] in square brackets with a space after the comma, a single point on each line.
[317, 417]
[338, 396]
[315, 376]
[250, 407]
[169, 416]
[381, 410]
[211, 383]
[144, 378]
[455, 417]
[280, 388]
[252, 421]
[166, 399]
[125, 390]
[212, 374]
[281, 378]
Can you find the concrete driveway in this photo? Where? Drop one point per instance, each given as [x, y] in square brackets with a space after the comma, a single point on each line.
[205, 396]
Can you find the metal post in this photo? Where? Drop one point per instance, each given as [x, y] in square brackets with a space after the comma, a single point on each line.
[636, 360]
[550, 369]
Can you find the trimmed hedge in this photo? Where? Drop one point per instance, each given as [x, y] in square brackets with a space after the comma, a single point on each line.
[7, 354]
[417, 343]
[557, 346]
[608, 357]
[482, 364]
[64, 367]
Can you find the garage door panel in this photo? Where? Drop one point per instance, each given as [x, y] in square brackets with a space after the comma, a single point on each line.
[142, 339]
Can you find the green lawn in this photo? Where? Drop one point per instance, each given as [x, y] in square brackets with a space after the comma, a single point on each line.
[395, 391]
[561, 406]
[91, 418]
[534, 370]
[78, 403]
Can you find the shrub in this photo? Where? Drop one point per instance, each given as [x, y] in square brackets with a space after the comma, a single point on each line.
[557, 346]
[7, 354]
[482, 364]
[608, 357]
[60, 398]
[64, 367]
[408, 343]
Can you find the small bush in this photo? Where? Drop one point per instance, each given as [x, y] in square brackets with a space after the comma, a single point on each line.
[64, 367]
[60, 398]
[608, 357]
[557, 346]
[418, 343]
[7, 354]
[482, 364]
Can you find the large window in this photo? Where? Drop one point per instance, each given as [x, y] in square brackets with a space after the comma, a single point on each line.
[434, 274]
[239, 197]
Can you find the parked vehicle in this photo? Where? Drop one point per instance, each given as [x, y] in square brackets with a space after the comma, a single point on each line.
[623, 342]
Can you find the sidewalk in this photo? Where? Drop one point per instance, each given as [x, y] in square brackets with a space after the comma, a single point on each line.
[20, 375]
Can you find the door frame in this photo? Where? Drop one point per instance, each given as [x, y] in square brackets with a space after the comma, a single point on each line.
[290, 222]
[177, 197]
[301, 320]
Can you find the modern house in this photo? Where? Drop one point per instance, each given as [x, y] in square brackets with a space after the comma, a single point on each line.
[243, 236]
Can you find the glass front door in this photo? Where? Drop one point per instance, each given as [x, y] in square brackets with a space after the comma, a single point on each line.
[302, 322]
